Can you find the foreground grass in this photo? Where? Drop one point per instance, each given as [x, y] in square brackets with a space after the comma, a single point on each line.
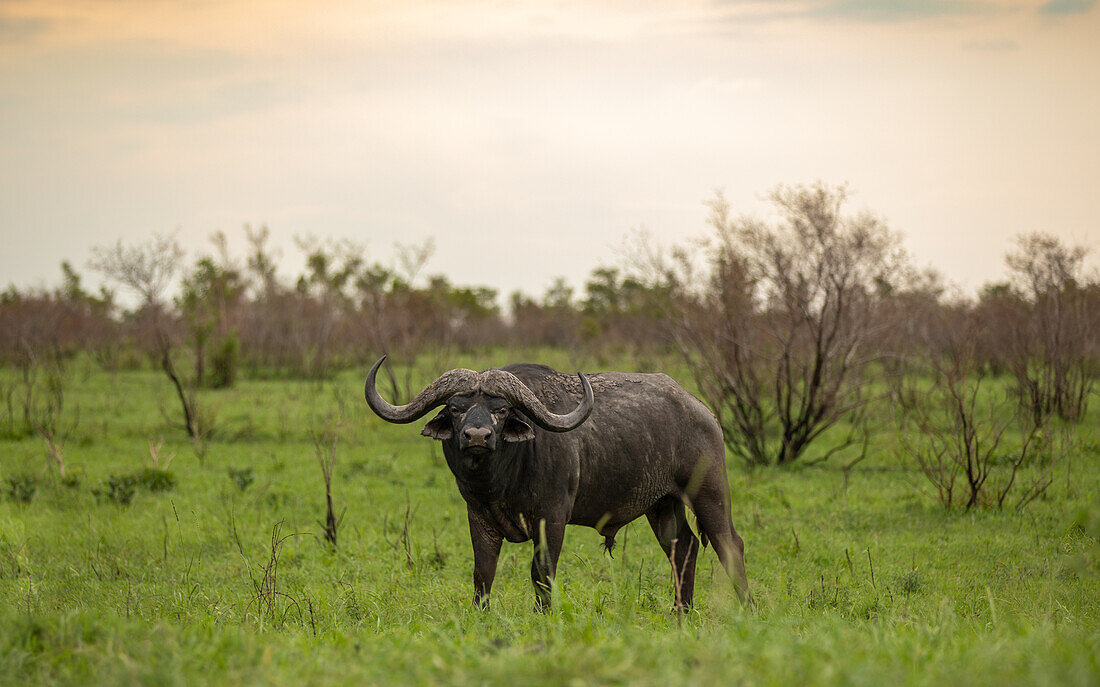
[858, 578]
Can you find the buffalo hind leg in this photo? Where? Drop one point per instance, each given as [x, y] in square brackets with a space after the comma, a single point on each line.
[544, 563]
[669, 522]
[712, 510]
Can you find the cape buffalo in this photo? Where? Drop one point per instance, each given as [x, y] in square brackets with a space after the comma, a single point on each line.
[529, 460]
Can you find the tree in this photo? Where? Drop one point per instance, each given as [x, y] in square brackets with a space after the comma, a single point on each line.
[552, 322]
[210, 302]
[147, 269]
[779, 336]
[1046, 322]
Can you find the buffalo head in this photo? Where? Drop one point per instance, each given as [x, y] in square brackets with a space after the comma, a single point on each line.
[482, 409]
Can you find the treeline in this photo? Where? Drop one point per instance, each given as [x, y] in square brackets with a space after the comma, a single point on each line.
[790, 326]
[232, 314]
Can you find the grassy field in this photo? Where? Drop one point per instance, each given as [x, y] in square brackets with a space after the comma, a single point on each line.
[858, 578]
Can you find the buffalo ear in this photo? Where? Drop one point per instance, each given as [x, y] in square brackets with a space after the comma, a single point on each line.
[516, 429]
[439, 427]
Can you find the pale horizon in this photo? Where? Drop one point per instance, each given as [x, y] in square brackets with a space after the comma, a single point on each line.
[528, 139]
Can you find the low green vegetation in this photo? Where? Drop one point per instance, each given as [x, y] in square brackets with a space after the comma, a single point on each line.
[160, 561]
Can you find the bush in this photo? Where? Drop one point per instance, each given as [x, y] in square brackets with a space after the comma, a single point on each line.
[225, 362]
[71, 479]
[118, 488]
[242, 476]
[121, 489]
[22, 487]
[156, 479]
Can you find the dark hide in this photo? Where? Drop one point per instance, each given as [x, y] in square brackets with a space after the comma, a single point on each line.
[648, 448]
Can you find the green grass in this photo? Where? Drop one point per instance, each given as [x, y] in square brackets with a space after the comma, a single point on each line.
[858, 580]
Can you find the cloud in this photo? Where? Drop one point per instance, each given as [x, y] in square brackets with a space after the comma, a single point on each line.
[1064, 7]
[17, 29]
[900, 10]
[995, 45]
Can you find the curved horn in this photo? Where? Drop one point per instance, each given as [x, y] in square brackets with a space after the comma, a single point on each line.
[507, 385]
[445, 385]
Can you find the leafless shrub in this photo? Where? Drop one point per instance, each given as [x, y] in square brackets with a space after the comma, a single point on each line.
[155, 456]
[272, 603]
[325, 445]
[960, 444]
[403, 541]
[51, 421]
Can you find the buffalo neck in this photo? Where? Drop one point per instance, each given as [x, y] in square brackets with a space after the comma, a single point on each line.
[489, 479]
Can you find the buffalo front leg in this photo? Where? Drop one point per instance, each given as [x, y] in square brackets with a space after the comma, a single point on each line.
[544, 563]
[486, 543]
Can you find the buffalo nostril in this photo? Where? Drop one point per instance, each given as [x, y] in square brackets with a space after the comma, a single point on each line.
[477, 435]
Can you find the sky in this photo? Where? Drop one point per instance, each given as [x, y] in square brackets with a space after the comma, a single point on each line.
[527, 139]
